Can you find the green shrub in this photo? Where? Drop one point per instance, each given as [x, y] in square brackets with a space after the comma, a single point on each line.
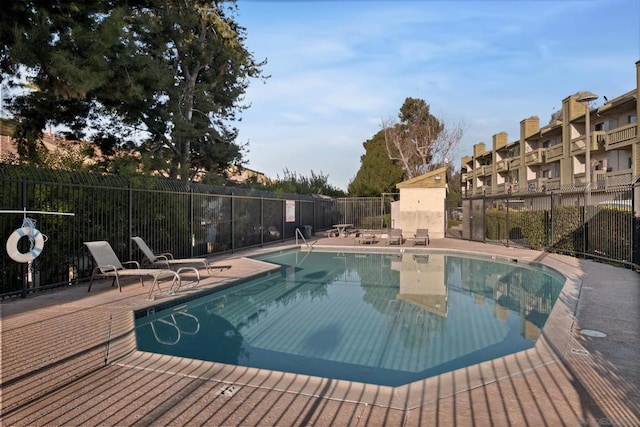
[567, 229]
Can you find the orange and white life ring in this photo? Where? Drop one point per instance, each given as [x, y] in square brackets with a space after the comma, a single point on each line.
[12, 244]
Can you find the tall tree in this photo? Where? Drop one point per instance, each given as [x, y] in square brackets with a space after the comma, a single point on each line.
[420, 141]
[378, 173]
[167, 74]
[55, 49]
[196, 50]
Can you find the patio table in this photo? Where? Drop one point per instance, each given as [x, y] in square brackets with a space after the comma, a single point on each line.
[343, 229]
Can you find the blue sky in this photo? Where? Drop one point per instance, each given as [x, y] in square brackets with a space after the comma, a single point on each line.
[338, 68]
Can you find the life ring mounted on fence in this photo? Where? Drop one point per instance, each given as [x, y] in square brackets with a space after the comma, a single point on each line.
[12, 244]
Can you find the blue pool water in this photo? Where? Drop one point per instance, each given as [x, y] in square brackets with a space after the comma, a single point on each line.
[386, 319]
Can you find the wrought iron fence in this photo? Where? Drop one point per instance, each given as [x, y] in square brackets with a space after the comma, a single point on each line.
[365, 212]
[601, 224]
[187, 219]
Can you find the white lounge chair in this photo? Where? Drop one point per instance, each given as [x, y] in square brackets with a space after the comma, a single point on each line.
[167, 260]
[421, 237]
[108, 265]
[395, 236]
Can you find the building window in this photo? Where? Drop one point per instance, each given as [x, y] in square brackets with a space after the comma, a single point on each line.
[633, 118]
[606, 126]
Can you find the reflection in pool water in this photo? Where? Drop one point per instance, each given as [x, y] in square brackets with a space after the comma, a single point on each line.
[385, 319]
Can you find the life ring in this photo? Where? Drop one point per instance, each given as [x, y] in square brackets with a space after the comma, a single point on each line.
[12, 244]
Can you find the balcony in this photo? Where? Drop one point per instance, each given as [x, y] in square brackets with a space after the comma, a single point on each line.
[552, 184]
[484, 170]
[621, 137]
[555, 153]
[501, 165]
[577, 144]
[615, 178]
[479, 190]
[536, 185]
[504, 188]
[535, 157]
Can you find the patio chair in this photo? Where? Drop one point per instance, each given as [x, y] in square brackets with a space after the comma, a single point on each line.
[167, 260]
[421, 237]
[395, 236]
[366, 238]
[108, 265]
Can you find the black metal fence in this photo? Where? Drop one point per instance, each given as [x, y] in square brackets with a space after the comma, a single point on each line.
[365, 212]
[192, 220]
[601, 224]
[186, 219]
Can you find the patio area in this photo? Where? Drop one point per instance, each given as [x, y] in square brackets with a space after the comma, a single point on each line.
[69, 358]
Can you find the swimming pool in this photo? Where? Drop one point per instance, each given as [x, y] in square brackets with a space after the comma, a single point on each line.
[378, 318]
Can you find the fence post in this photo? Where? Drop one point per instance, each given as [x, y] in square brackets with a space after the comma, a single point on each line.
[635, 226]
[584, 224]
[550, 238]
[25, 266]
[191, 220]
[130, 221]
[233, 226]
[508, 194]
[484, 217]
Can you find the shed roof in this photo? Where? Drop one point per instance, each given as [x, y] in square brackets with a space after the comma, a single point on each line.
[436, 178]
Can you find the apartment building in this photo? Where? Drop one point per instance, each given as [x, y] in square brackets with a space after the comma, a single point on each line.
[554, 156]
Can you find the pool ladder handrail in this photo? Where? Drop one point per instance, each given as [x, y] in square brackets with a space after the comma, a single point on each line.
[174, 323]
[299, 233]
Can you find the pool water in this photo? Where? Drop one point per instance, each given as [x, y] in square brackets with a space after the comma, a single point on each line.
[386, 319]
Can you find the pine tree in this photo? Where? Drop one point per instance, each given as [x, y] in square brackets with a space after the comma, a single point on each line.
[377, 174]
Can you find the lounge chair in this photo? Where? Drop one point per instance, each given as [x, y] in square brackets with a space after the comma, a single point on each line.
[333, 232]
[366, 238]
[395, 236]
[167, 260]
[108, 265]
[421, 237]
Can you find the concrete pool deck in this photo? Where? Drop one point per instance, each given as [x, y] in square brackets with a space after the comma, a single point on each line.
[69, 358]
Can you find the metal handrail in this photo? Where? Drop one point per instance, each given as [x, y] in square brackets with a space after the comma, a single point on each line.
[299, 233]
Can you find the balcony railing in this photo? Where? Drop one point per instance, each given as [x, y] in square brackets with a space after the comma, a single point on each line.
[552, 184]
[555, 153]
[536, 185]
[484, 170]
[577, 144]
[501, 165]
[622, 136]
[535, 157]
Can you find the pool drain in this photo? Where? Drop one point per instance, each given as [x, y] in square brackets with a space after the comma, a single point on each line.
[228, 390]
[592, 333]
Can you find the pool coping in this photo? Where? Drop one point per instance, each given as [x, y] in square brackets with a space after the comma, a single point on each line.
[553, 344]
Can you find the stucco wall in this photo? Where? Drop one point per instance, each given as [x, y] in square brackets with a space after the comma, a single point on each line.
[422, 208]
